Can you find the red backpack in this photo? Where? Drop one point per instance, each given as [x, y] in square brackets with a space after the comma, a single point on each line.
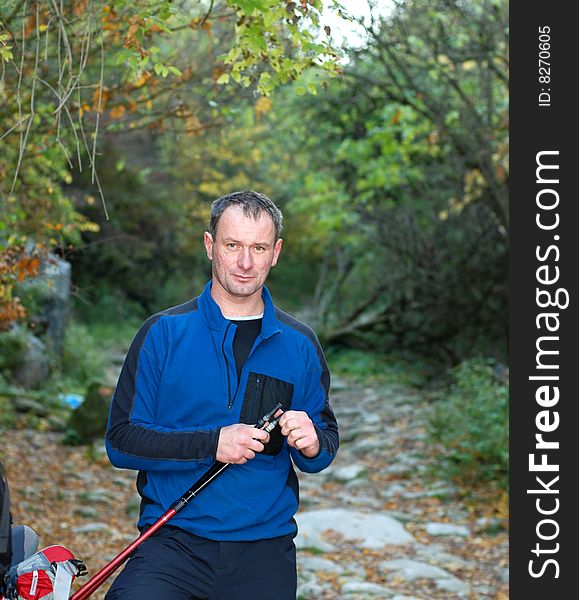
[46, 575]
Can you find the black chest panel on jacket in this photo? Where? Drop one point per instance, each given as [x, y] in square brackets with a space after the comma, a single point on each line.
[245, 336]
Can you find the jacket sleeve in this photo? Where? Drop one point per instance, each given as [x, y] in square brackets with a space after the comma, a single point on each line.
[133, 439]
[317, 404]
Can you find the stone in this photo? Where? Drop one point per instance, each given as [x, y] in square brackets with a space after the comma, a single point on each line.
[366, 589]
[374, 530]
[54, 300]
[316, 563]
[88, 422]
[91, 528]
[98, 495]
[367, 445]
[447, 529]
[453, 584]
[312, 590]
[412, 569]
[436, 553]
[347, 473]
[27, 405]
[24, 358]
[133, 506]
[363, 501]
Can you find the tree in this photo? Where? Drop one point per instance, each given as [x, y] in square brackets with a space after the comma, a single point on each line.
[402, 192]
[448, 61]
[71, 68]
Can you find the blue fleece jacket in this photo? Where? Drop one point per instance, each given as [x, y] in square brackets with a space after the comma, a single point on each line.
[179, 386]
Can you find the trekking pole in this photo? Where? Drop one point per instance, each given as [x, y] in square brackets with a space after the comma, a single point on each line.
[267, 423]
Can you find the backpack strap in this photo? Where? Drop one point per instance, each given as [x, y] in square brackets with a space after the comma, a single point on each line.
[65, 573]
[5, 526]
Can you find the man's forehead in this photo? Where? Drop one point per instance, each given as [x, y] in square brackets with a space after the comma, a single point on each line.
[234, 217]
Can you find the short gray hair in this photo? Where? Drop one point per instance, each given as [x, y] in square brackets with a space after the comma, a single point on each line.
[252, 203]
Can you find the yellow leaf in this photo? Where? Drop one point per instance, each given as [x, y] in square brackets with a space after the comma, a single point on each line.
[118, 112]
[262, 106]
[142, 80]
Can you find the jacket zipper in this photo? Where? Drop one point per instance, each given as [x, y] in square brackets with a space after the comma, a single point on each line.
[255, 393]
[229, 398]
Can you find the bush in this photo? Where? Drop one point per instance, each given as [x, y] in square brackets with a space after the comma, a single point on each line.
[362, 366]
[83, 360]
[12, 343]
[469, 423]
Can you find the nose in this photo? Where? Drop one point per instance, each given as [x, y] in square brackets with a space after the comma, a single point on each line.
[244, 259]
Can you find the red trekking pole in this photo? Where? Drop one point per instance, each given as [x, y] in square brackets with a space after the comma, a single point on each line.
[212, 473]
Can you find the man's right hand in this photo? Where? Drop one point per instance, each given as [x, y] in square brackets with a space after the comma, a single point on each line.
[238, 443]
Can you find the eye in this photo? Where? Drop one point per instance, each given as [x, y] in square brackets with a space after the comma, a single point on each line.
[231, 245]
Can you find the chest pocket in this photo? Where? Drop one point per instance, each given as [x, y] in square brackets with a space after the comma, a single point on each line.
[261, 395]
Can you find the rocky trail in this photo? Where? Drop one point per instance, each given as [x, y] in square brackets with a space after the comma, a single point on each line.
[374, 525]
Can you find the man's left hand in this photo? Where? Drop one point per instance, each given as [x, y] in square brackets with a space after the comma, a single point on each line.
[300, 432]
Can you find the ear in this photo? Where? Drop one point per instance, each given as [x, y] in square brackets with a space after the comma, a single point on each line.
[208, 241]
[276, 251]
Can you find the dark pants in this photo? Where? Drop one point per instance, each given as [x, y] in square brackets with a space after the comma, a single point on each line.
[176, 565]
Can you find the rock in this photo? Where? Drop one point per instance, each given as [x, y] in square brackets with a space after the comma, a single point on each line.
[436, 553]
[373, 530]
[312, 590]
[365, 589]
[367, 445]
[394, 489]
[453, 584]
[363, 501]
[447, 529]
[338, 385]
[89, 421]
[27, 405]
[24, 358]
[412, 569]
[316, 563]
[98, 495]
[88, 512]
[52, 288]
[347, 473]
[133, 506]
[92, 528]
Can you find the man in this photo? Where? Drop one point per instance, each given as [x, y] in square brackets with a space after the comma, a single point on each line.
[195, 380]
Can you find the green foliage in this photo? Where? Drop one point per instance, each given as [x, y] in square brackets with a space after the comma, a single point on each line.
[69, 71]
[11, 345]
[88, 422]
[390, 368]
[469, 425]
[384, 180]
[7, 416]
[84, 360]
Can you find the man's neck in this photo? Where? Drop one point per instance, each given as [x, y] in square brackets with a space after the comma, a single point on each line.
[234, 306]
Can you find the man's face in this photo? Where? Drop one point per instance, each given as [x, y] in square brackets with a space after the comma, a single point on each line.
[243, 252]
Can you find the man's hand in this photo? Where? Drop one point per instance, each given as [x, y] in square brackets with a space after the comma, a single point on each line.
[300, 432]
[238, 443]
